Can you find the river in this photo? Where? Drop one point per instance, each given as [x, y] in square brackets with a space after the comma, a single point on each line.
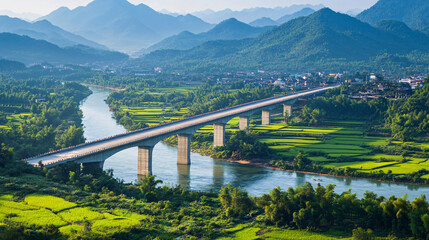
[208, 174]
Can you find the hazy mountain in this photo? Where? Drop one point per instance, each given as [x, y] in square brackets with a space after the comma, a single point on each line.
[30, 51]
[27, 15]
[415, 13]
[123, 26]
[251, 14]
[10, 66]
[226, 30]
[353, 12]
[263, 22]
[44, 30]
[302, 13]
[323, 39]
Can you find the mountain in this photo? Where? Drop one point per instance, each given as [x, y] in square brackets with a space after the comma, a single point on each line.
[251, 14]
[31, 51]
[263, 22]
[415, 13]
[323, 40]
[44, 30]
[302, 13]
[10, 66]
[227, 30]
[123, 26]
[353, 12]
[26, 15]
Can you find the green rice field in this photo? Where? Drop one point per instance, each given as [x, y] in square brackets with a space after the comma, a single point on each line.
[42, 210]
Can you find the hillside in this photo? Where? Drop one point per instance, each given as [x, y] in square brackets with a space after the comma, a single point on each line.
[44, 30]
[31, 51]
[323, 40]
[230, 29]
[414, 13]
[123, 26]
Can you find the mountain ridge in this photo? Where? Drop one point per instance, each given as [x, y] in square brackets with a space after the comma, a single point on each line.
[414, 13]
[123, 26]
[230, 29]
[321, 39]
[44, 30]
[31, 51]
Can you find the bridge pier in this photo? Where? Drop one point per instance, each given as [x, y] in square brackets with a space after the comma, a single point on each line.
[219, 134]
[144, 160]
[184, 149]
[244, 122]
[287, 110]
[266, 117]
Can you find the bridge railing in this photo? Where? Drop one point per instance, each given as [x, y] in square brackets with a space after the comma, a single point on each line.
[171, 123]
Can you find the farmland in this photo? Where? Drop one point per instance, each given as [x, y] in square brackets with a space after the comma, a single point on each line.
[42, 210]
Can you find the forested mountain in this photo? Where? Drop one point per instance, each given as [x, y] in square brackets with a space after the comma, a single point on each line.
[414, 13]
[227, 30]
[31, 51]
[123, 26]
[303, 13]
[251, 14]
[44, 30]
[323, 40]
[10, 66]
[263, 22]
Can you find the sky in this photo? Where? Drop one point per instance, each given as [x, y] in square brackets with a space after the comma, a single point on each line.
[43, 7]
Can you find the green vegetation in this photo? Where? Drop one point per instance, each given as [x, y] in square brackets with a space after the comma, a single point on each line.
[325, 41]
[35, 207]
[39, 115]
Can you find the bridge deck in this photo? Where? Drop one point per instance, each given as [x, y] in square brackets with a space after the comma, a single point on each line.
[139, 135]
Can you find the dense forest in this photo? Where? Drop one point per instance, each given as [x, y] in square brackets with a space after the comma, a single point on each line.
[40, 115]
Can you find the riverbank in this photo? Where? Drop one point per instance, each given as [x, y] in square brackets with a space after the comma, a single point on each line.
[110, 88]
[263, 164]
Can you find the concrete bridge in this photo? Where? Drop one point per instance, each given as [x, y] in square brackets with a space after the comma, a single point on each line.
[96, 152]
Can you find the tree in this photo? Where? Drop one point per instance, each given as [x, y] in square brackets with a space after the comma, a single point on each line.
[235, 201]
[148, 187]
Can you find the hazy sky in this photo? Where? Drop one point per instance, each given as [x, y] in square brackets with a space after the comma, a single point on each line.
[46, 6]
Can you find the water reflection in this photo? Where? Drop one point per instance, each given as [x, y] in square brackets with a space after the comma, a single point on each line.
[183, 176]
[218, 175]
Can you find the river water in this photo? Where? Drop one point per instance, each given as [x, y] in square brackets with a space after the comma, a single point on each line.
[208, 174]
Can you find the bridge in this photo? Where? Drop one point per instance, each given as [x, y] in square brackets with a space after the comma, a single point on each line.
[94, 153]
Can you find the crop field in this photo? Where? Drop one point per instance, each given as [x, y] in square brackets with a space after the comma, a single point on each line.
[153, 115]
[245, 233]
[42, 210]
[296, 235]
[49, 202]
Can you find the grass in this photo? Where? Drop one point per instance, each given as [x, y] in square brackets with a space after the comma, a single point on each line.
[244, 234]
[296, 235]
[360, 165]
[49, 202]
[71, 229]
[114, 224]
[76, 215]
